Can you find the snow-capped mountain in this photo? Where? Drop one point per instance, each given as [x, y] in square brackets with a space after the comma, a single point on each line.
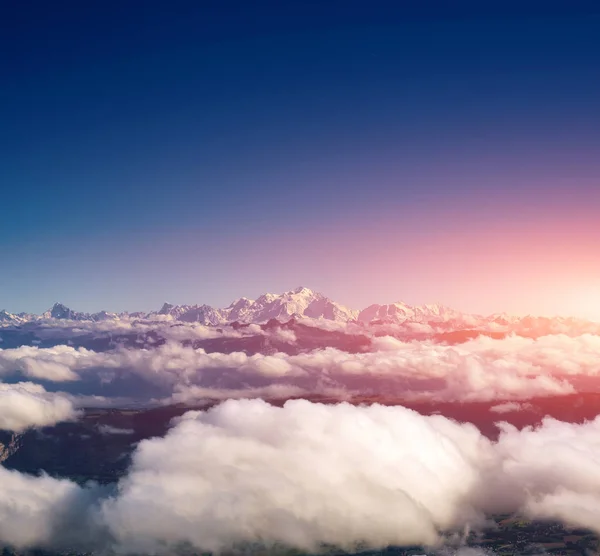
[301, 302]
[62, 312]
[400, 312]
[296, 304]
[203, 314]
[7, 317]
[104, 315]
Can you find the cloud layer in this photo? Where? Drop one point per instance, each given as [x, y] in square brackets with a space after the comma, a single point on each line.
[481, 369]
[302, 475]
[305, 475]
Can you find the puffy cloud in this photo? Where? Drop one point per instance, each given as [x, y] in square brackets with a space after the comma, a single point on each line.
[547, 472]
[32, 508]
[167, 363]
[25, 405]
[387, 343]
[285, 335]
[306, 474]
[512, 368]
[46, 512]
[301, 475]
[56, 364]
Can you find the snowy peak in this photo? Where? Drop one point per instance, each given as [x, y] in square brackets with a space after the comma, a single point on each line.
[240, 310]
[204, 314]
[104, 315]
[301, 290]
[299, 302]
[5, 316]
[60, 311]
[401, 312]
[165, 309]
[174, 311]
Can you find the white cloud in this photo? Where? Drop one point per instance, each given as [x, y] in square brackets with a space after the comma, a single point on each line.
[55, 364]
[509, 407]
[285, 335]
[306, 474]
[513, 368]
[25, 405]
[31, 508]
[300, 475]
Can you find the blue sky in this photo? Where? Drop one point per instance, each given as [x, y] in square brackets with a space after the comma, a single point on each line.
[200, 151]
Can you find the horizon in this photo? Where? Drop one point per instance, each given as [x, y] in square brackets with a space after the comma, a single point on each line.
[158, 306]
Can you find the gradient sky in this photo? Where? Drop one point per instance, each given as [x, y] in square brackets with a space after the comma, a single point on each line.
[200, 151]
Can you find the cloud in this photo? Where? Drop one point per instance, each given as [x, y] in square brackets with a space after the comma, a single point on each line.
[25, 405]
[307, 474]
[509, 407]
[107, 429]
[301, 475]
[31, 508]
[285, 335]
[554, 469]
[482, 369]
[56, 364]
[198, 394]
[136, 332]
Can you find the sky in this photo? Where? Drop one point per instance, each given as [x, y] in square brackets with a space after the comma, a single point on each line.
[196, 152]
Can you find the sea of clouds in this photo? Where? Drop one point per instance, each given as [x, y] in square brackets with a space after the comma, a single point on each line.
[303, 475]
[306, 475]
[480, 369]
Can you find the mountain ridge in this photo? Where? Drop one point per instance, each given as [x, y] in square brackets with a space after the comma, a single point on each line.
[298, 303]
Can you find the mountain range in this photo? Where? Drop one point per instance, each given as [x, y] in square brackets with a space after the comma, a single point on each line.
[301, 302]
